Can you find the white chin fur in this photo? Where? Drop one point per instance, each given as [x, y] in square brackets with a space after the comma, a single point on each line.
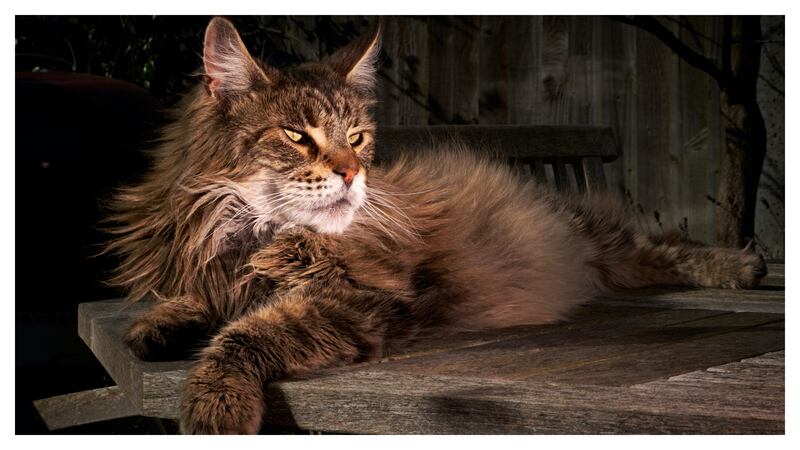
[334, 221]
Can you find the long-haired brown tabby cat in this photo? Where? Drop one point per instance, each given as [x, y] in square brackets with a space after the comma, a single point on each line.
[262, 223]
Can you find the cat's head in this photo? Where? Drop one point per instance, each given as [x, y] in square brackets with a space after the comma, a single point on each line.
[307, 132]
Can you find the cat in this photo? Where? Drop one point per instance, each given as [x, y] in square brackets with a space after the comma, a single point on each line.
[264, 225]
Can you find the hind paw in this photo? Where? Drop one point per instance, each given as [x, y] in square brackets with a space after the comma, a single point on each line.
[740, 270]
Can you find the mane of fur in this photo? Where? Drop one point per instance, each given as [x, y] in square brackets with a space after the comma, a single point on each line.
[174, 230]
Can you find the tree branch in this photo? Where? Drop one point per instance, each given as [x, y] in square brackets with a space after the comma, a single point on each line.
[654, 27]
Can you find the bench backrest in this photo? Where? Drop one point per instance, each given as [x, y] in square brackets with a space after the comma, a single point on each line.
[570, 156]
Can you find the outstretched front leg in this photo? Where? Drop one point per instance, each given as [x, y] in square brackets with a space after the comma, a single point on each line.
[306, 329]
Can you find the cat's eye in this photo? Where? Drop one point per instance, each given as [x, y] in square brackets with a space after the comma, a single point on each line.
[355, 139]
[293, 135]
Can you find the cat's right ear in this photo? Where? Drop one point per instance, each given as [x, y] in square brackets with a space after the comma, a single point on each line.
[229, 68]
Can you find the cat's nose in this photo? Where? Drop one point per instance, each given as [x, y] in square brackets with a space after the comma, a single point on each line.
[346, 167]
[347, 174]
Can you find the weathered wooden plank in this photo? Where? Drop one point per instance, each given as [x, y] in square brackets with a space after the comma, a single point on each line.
[594, 174]
[629, 125]
[388, 109]
[655, 67]
[768, 400]
[696, 212]
[538, 171]
[161, 393]
[582, 71]
[756, 382]
[154, 387]
[772, 358]
[770, 376]
[554, 108]
[413, 61]
[777, 269]
[103, 324]
[581, 182]
[493, 71]
[589, 316]
[544, 349]
[519, 141]
[669, 214]
[768, 301]
[768, 403]
[775, 278]
[763, 371]
[673, 359]
[523, 36]
[371, 401]
[453, 73]
[596, 326]
[80, 408]
[561, 176]
[614, 62]
[106, 308]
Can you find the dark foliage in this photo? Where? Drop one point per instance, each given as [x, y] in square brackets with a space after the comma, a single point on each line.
[163, 53]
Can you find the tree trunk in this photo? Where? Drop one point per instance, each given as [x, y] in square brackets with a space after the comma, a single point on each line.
[745, 147]
[745, 133]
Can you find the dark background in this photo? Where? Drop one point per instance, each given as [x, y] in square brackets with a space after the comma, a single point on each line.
[91, 91]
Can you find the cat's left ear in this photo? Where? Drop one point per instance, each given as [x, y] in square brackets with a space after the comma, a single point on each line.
[357, 61]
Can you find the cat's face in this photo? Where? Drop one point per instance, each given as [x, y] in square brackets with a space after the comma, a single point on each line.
[310, 127]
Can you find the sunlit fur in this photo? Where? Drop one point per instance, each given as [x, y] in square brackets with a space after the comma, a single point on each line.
[245, 235]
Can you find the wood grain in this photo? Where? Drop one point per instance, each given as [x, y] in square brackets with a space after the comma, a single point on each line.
[453, 73]
[413, 63]
[643, 367]
[771, 301]
[400, 403]
[548, 353]
[493, 102]
[649, 362]
[518, 141]
[557, 70]
[85, 407]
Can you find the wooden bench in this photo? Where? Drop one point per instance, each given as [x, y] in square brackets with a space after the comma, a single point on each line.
[571, 157]
[654, 361]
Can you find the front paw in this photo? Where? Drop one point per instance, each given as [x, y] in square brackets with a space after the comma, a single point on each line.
[146, 341]
[296, 257]
[218, 399]
[150, 340]
[301, 245]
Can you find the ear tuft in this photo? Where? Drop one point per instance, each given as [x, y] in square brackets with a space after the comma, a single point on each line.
[358, 60]
[229, 68]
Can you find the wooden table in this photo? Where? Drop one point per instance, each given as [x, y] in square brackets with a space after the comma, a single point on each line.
[657, 361]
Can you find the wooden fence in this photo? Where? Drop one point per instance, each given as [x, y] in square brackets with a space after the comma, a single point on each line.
[583, 70]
